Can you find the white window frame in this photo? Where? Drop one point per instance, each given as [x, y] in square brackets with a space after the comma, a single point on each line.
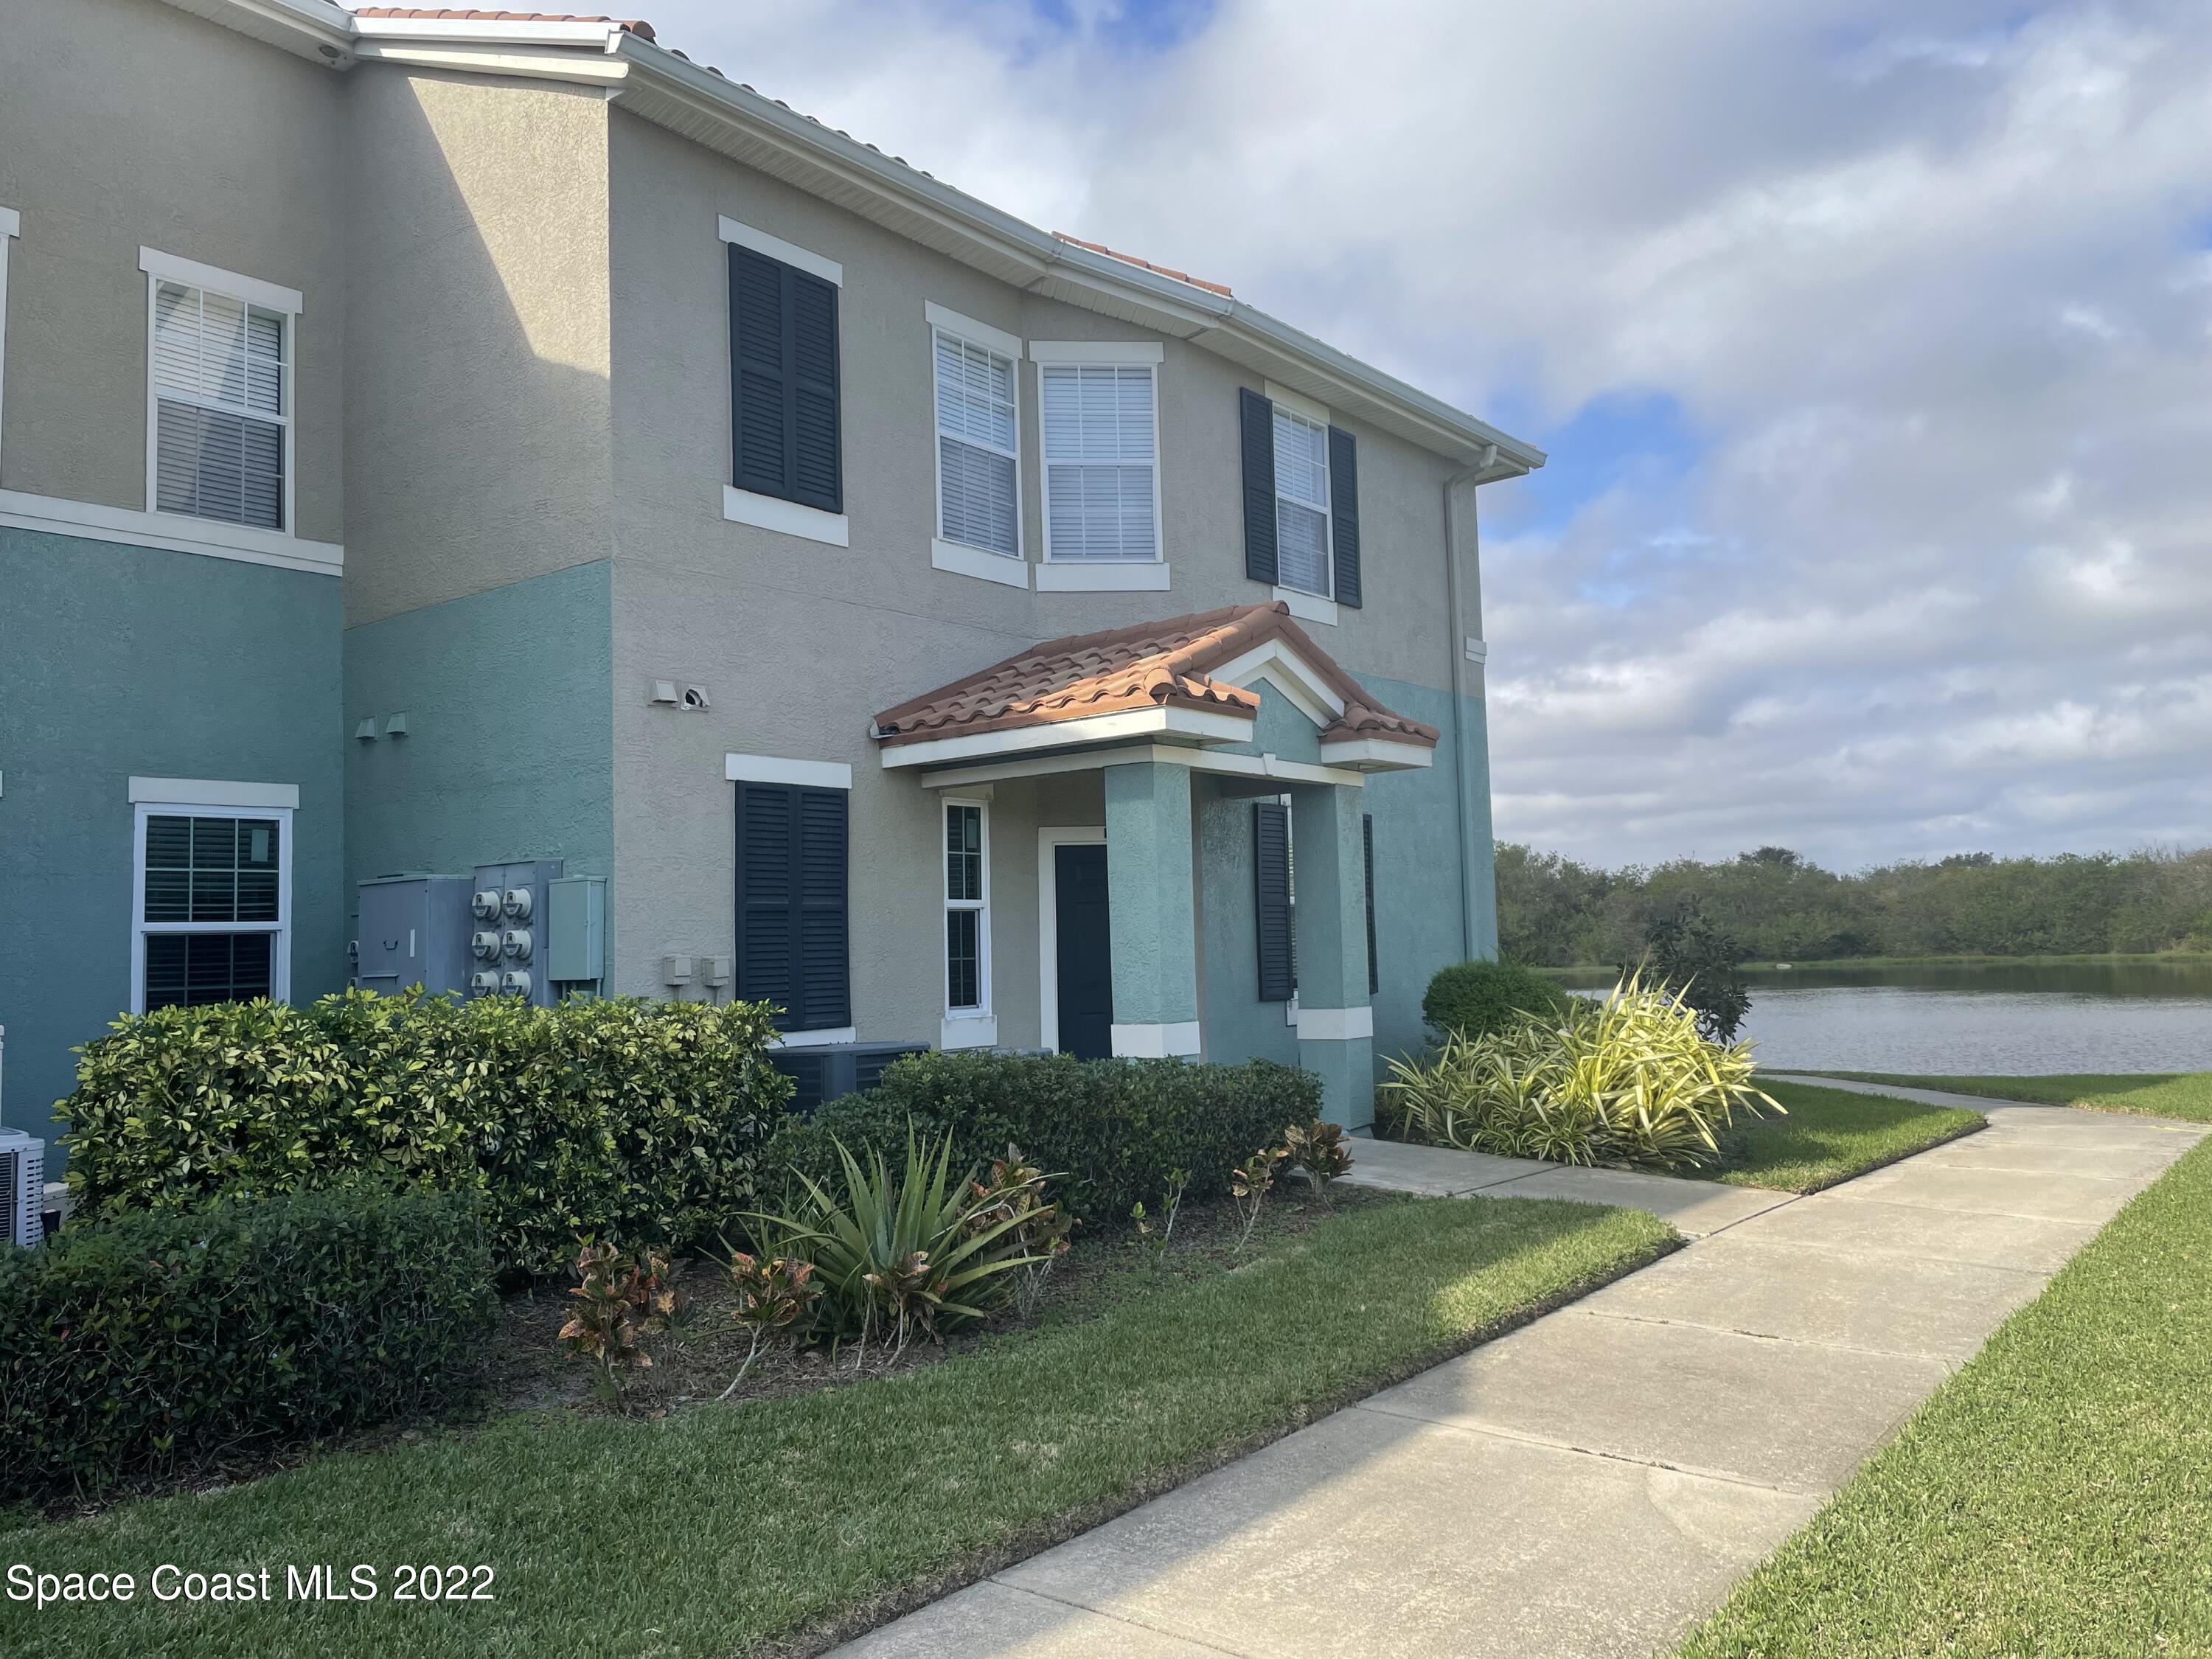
[796, 519]
[1304, 603]
[210, 798]
[963, 558]
[11, 227]
[1081, 576]
[160, 268]
[976, 1027]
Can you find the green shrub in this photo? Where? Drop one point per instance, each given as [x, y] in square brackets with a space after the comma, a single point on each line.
[1476, 999]
[137, 1349]
[630, 1121]
[1627, 1080]
[1109, 1130]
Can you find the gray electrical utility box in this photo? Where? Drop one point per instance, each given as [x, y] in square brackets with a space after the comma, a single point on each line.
[506, 915]
[576, 931]
[413, 930]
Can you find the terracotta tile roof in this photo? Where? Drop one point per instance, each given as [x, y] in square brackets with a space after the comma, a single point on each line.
[1150, 665]
[1132, 259]
[636, 26]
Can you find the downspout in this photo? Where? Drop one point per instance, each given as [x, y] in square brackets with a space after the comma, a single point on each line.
[1458, 702]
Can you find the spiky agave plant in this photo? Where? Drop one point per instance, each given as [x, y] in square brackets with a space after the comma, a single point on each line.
[905, 1255]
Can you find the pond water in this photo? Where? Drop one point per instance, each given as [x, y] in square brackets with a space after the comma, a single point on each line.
[1968, 1017]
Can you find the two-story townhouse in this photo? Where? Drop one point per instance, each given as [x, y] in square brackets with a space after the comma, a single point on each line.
[958, 634]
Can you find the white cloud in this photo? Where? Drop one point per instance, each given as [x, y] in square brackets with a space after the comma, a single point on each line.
[1927, 279]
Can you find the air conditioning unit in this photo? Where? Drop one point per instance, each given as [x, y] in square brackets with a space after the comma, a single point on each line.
[22, 1188]
[837, 1070]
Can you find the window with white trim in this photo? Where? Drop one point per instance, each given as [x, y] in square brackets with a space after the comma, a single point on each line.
[978, 461]
[214, 905]
[967, 910]
[1301, 526]
[1101, 461]
[223, 433]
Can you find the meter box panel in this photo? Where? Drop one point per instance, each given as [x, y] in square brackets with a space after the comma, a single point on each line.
[413, 930]
[576, 930]
[505, 915]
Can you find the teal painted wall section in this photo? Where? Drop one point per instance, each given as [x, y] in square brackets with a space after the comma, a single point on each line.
[509, 751]
[117, 662]
[1281, 729]
[1148, 881]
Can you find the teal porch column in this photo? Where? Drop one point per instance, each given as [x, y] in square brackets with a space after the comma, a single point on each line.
[1149, 911]
[1336, 1025]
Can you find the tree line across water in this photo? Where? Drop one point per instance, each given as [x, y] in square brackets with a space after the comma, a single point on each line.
[1553, 912]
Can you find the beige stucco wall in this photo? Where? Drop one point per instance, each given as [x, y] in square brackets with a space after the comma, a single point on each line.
[126, 123]
[478, 404]
[799, 643]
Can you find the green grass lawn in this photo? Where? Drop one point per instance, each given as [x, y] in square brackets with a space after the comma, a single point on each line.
[1829, 1135]
[2054, 1497]
[2157, 1094]
[730, 1529]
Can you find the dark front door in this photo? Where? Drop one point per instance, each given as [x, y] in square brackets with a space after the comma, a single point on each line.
[1086, 968]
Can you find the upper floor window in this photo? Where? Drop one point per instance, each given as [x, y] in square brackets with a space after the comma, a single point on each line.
[1302, 503]
[1101, 408]
[978, 462]
[220, 438]
[784, 398]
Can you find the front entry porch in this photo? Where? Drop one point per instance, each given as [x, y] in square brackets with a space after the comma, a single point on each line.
[1217, 903]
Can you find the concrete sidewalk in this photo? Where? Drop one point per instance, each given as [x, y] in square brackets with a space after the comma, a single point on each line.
[1593, 1482]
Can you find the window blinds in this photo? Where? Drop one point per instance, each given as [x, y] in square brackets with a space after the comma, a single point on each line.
[1100, 462]
[1301, 502]
[219, 407]
[975, 447]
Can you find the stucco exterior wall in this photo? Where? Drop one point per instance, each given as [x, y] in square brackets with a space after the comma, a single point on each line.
[477, 406]
[798, 643]
[117, 662]
[92, 101]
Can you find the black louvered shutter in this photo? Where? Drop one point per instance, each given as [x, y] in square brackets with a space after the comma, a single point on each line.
[1259, 426]
[792, 921]
[1270, 847]
[783, 382]
[1343, 511]
[1367, 851]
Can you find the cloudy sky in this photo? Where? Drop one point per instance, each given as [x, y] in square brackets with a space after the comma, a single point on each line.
[1871, 341]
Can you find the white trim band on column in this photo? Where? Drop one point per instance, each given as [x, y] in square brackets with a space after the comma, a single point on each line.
[775, 769]
[1335, 1024]
[1156, 1041]
[211, 792]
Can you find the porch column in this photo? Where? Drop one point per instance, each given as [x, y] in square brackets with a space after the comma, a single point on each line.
[1149, 912]
[1336, 1026]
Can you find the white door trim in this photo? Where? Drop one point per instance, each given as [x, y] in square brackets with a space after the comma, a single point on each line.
[1049, 840]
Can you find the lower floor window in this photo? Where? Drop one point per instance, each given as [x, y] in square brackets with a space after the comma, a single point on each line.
[213, 905]
[967, 901]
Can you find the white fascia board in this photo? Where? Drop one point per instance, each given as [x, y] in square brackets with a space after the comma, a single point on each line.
[313, 29]
[775, 769]
[1279, 663]
[1259, 768]
[962, 560]
[1335, 1024]
[982, 334]
[212, 791]
[822, 1039]
[1377, 755]
[269, 295]
[1477, 651]
[1102, 576]
[173, 532]
[11, 223]
[1297, 402]
[524, 60]
[566, 31]
[789, 253]
[1097, 351]
[788, 518]
[1156, 1041]
[1133, 723]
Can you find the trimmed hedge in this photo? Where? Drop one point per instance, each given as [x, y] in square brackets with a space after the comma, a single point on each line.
[631, 1121]
[138, 1349]
[1111, 1129]
[1478, 999]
